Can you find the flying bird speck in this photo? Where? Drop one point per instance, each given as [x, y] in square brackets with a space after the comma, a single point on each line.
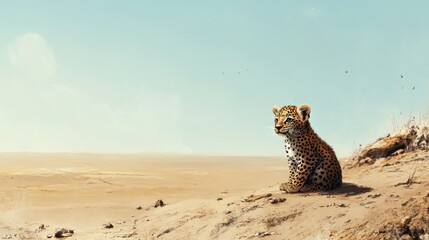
[413, 88]
[401, 76]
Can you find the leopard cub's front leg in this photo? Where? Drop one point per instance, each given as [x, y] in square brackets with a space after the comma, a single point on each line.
[284, 187]
[289, 187]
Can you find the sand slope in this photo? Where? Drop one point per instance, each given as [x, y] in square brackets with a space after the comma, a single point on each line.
[84, 191]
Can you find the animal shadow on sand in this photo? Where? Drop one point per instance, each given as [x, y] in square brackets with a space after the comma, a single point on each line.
[349, 189]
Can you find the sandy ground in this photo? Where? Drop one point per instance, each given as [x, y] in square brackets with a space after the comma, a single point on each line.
[84, 191]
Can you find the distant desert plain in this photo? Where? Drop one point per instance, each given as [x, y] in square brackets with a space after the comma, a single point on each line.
[112, 196]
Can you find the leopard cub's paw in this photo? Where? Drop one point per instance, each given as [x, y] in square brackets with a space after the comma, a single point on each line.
[284, 187]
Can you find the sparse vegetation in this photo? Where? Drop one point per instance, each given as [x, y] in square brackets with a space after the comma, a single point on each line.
[410, 180]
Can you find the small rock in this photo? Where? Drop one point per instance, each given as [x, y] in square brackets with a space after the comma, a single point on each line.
[405, 221]
[406, 237]
[219, 199]
[228, 212]
[108, 225]
[374, 195]
[263, 234]
[424, 236]
[278, 200]
[59, 234]
[342, 205]
[67, 234]
[159, 203]
[42, 226]
[49, 236]
[7, 236]
[63, 233]
[139, 208]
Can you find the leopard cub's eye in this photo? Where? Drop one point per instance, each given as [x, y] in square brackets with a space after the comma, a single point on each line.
[276, 120]
[288, 119]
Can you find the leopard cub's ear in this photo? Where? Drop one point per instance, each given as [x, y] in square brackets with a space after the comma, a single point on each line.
[276, 109]
[304, 112]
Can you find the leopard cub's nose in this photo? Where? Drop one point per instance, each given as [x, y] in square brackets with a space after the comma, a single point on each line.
[278, 127]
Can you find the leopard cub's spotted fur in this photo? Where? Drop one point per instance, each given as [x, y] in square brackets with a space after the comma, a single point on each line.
[313, 164]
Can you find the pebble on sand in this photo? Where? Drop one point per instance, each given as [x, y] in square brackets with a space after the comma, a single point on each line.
[64, 233]
[108, 225]
[278, 200]
[159, 203]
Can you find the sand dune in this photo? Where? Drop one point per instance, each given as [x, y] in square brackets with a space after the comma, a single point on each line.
[204, 196]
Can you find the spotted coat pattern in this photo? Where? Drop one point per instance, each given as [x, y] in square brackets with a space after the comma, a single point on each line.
[312, 163]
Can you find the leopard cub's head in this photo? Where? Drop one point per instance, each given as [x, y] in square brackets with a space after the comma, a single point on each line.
[290, 119]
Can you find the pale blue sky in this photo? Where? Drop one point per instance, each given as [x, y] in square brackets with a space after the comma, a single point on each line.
[199, 77]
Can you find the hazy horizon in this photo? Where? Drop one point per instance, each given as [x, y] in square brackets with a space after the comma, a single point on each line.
[201, 78]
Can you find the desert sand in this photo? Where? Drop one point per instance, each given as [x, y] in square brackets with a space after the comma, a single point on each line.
[206, 197]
